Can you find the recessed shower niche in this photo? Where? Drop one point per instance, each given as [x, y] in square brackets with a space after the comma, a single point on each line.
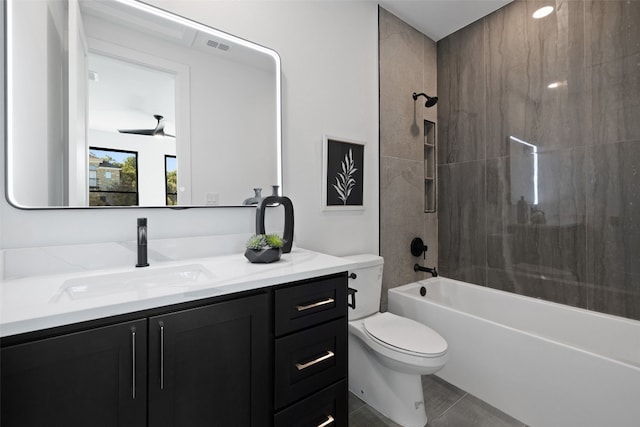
[430, 182]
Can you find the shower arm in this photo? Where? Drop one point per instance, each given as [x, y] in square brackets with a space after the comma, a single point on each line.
[431, 100]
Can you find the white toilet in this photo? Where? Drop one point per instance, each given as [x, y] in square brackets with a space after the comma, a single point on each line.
[388, 353]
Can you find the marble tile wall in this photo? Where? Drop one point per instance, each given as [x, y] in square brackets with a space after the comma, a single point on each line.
[407, 61]
[581, 246]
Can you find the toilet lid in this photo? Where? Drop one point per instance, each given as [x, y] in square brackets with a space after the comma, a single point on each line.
[405, 334]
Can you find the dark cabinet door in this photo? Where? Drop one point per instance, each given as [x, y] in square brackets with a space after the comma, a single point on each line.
[91, 378]
[209, 366]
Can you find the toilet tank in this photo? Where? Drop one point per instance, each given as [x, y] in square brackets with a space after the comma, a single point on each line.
[368, 283]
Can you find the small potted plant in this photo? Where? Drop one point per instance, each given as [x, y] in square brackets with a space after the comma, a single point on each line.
[264, 248]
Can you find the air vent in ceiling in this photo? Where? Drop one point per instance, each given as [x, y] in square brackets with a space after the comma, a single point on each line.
[215, 44]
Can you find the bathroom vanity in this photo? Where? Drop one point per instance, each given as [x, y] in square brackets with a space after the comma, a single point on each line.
[248, 345]
[88, 339]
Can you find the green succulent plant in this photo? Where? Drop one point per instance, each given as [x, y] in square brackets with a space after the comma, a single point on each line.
[262, 241]
[274, 241]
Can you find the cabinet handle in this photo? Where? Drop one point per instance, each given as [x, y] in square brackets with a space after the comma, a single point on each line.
[133, 363]
[161, 355]
[302, 366]
[315, 304]
[329, 420]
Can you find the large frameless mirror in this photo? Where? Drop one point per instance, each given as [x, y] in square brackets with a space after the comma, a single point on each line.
[117, 103]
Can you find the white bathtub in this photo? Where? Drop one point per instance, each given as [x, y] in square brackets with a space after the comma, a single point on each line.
[543, 363]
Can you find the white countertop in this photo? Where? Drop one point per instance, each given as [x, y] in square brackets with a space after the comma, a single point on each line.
[40, 302]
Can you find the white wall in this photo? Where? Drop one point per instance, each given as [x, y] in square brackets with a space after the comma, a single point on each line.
[40, 25]
[330, 85]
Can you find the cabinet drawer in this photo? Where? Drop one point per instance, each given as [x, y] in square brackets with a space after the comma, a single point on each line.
[310, 360]
[327, 408]
[310, 303]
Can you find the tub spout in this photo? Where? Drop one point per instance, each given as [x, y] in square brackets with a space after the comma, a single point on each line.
[433, 271]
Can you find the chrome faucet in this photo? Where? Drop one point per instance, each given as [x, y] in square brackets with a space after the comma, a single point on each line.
[142, 243]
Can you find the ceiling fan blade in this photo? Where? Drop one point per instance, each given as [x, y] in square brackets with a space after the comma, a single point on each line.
[158, 131]
[137, 131]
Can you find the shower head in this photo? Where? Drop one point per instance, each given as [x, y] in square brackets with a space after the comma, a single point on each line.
[431, 100]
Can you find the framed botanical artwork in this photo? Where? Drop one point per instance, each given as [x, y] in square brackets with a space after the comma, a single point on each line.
[342, 174]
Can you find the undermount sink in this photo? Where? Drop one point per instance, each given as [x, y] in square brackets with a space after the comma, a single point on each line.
[134, 281]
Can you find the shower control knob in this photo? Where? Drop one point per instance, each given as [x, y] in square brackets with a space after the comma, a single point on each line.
[418, 247]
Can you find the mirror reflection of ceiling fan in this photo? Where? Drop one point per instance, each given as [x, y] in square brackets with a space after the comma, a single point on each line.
[157, 131]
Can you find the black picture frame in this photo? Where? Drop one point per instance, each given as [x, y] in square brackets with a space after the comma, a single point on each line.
[343, 174]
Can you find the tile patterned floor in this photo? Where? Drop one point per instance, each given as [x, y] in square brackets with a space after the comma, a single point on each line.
[447, 406]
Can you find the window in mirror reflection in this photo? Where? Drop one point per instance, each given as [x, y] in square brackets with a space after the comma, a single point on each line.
[113, 177]
[171, 180]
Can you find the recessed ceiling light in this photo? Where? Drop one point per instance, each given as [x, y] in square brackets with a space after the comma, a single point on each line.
[542, 12]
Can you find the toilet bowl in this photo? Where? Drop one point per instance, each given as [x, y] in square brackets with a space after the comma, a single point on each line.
[388, 353]
[402, 344]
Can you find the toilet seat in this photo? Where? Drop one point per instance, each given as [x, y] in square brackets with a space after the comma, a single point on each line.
[405, 335]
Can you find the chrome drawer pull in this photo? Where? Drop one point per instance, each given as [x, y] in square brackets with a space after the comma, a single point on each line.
[302, 366]
[133, 362]
[330, 420]
[315, 304]
[161, 355]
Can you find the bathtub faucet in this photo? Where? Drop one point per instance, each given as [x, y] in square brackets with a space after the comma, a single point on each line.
[433, 271]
